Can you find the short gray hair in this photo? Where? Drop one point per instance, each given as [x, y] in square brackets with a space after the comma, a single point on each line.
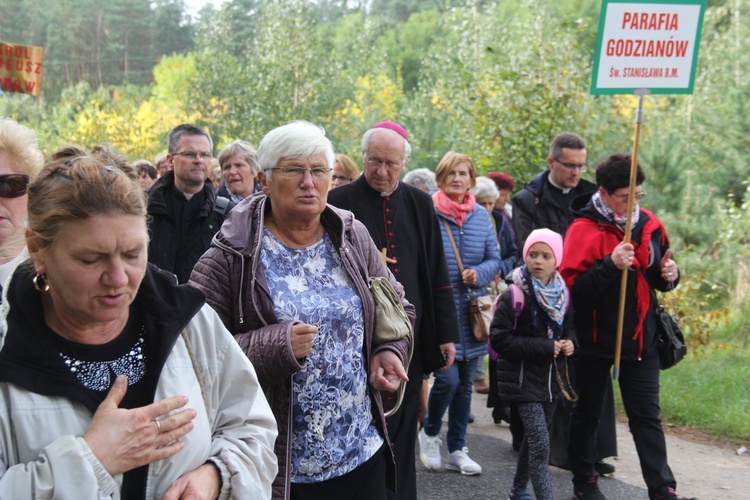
[369, 133]
[565, 140]
[485, 187]
[186, 129]
[240, 147]
[297, 139]
[422, 178]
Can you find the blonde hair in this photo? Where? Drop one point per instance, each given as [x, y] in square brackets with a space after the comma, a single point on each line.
[21, 144]
[450, 160]
[349, 165]
[74, 186]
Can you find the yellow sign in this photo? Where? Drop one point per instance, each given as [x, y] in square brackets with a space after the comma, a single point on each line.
[21, 68]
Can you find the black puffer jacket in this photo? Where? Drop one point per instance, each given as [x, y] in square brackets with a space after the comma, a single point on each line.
[525, 373]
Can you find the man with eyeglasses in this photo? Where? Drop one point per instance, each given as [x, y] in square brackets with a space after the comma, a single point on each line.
[184, 210]
[403, 224]
[545, 203]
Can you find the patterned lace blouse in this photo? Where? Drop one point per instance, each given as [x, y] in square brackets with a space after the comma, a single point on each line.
[332, 430]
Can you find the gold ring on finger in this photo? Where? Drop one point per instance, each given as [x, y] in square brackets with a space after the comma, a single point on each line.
[158, 425]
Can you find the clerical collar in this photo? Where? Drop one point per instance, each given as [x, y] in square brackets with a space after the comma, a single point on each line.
[187, 196]
[385, 194]
[564, 190]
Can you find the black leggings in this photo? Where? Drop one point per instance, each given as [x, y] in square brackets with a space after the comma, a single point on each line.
[534, 456]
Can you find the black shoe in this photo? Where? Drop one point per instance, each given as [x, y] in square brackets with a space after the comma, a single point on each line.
[500, 413]
[603, 468]
[668, 493]
[587, 489]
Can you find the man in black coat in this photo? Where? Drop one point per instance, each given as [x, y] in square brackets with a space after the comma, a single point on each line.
[402, 222]
[184, 210]
[545, 203]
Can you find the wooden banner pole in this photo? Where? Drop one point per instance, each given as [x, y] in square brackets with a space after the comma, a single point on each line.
[628, 228]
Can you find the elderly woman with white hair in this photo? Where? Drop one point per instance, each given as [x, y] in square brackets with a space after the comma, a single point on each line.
[486, 193]
[20, 162]
[422, 178]
[288, 274]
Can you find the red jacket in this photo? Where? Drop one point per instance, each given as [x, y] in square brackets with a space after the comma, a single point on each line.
[595, 281]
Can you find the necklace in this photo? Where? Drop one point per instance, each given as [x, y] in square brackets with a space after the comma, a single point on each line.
[318, 235]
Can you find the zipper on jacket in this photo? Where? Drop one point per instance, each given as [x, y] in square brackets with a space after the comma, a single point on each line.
[549, 381]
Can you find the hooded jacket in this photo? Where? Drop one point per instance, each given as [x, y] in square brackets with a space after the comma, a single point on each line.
[44, 416]
[232, 277]
[594, 281]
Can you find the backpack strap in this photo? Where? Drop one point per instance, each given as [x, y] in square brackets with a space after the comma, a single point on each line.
[221, 205]
[518, 301]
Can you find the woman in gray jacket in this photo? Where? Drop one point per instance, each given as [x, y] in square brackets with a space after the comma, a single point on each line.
[288, 275]
[115, 382]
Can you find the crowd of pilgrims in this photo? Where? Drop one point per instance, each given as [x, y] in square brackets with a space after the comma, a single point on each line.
[202, 326]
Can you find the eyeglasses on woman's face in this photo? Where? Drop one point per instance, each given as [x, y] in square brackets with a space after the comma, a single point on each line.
[317, 173]
[341, 178]
[13, 185]
[624, 197]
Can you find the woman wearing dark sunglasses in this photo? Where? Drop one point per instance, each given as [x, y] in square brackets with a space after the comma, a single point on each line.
[20, 161]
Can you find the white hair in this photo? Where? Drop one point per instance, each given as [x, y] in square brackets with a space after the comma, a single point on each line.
[485, 187]
[423, 178]
[297, 139]
[369, 133]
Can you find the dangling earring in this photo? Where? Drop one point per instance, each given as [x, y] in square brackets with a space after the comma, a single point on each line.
[40, 282]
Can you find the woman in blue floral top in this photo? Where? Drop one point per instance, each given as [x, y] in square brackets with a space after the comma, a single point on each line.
[288, 275]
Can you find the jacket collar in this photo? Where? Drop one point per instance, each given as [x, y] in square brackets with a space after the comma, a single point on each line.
[157, 195]
[28, 356]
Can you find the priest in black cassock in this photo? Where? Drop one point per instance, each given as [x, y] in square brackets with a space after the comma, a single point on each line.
[402, 222]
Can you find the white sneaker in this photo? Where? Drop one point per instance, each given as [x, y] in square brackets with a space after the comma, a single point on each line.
[459, 461]
[429, 451]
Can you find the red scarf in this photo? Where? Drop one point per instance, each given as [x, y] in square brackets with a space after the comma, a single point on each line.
[600, 241]
[458, 211]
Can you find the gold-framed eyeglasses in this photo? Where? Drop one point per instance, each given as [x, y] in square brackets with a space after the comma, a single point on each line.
[375, 164]
[624, 198]
[571, 166]
[192, 155]
[299, 172]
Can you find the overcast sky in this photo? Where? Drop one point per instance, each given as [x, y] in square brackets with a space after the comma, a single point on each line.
[195, 5]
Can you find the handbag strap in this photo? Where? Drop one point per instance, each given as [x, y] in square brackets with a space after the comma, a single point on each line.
[453, 244]
[196, 369]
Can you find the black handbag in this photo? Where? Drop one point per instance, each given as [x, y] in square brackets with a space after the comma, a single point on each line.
[670, 340]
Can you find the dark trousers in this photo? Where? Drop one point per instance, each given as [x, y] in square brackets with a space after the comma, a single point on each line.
[639, 386]
[366, 482]
[402, 429]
